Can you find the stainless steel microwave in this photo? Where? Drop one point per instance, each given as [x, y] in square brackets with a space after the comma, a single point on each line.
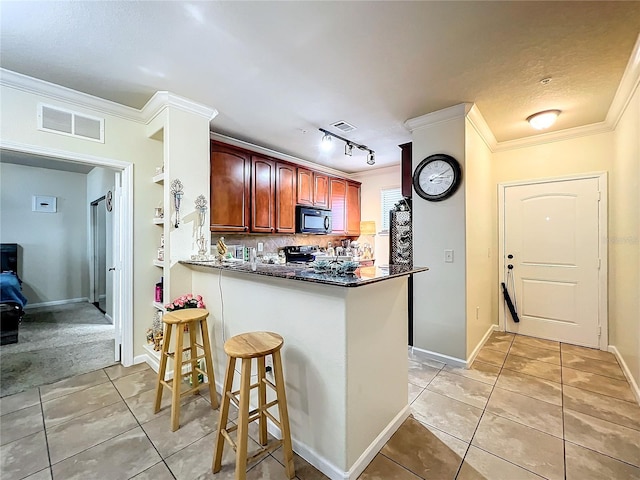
[313, 220]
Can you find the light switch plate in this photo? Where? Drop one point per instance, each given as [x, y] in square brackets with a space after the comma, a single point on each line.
[448, 256]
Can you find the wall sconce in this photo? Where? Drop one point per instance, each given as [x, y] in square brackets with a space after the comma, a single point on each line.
[348, 147]
[542, 120]
[201, 207]
[177, 190]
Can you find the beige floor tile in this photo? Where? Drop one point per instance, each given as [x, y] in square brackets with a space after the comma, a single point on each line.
[20, 423]
[585, 464]
[503, 335]
[118, 370]
[481, 465]
[86, 431]
[23, 457]
[136, 383]
[448, 415]
[159, 471]
[589, 353]
[195, 460]
[611, 387]
[121, 457]
[536, 353]
[611, 409]
[529, 411]
[381, 468]
[72, 385]
[425, 452]
[483, 372]
[604, 437]
[501, 344]
[418, 356]
[494, 357]
[528, 448]
[414, 391]
[460, 388]
[141, 405]
[63, 409]
[41, 475]
[591, 365]
[197, 419]
[548, 371]
[420, 374]
[536, 342]
[19, 401]
[539, 388]
[304, 470]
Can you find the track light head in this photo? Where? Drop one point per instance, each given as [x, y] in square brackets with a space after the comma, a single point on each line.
[348, 149]
[326, 142]
[371, 158]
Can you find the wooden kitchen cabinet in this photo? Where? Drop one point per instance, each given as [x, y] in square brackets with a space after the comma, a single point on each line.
[320, 190]
[353, 209]
[286, 188]
[263, 194]
[312, 188]
[305, 187]
[338, 189]
[230, 189]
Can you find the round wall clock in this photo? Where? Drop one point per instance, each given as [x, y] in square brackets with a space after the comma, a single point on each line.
[437, 177]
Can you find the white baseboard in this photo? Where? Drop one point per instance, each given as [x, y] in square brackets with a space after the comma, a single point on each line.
[627, 372]
[481, 343]
[439, 357]
[108, 317]
[56, 302]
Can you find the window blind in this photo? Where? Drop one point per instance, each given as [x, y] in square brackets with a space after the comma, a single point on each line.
[388, 199]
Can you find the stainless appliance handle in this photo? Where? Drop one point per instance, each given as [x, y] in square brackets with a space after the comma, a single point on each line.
[326, 223]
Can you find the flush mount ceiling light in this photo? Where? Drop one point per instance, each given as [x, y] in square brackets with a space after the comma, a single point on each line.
[542, 120]
[348, 147]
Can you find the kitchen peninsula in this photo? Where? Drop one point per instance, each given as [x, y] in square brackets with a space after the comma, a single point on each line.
[345, 351]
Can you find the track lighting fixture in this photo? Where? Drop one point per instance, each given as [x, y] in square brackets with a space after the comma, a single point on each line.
[348, 145]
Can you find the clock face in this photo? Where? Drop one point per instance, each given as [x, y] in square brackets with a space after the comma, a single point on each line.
[437, 177]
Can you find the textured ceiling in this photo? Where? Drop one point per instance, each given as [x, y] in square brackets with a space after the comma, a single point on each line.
[275, 70]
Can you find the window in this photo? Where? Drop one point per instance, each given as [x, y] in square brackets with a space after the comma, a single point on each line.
[388, 199]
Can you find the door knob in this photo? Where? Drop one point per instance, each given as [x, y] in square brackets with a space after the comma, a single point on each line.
[112, 269]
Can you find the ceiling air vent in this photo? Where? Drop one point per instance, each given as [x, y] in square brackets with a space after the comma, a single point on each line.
[343, 126]
[66, 122]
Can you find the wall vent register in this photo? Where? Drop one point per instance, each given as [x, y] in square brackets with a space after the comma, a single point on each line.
[66, 122]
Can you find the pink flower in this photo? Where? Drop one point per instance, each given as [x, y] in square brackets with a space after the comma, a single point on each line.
[199, 298]
[183, 298]
[200, 305]
[180, 303]
[189, 296]
[168, 306]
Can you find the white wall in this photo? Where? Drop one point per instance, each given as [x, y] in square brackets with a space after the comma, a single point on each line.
[373, 181]
[624, 235]
[439, 301]
[480, 205]
[99, 182]
[54, 245]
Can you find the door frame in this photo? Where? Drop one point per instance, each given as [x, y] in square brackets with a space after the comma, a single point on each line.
[123, 283]
[93, 250]
[603, 294]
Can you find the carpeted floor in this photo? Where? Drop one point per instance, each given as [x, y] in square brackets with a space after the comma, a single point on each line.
[55, 343]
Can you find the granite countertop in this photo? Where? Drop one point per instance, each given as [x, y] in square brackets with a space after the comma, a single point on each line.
[293, 271]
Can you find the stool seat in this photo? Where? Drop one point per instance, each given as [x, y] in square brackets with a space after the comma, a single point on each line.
[253, 344]
[246, 347]
[194, 319]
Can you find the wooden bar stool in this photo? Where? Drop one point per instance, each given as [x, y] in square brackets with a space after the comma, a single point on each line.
[193, 318]
[247, 346]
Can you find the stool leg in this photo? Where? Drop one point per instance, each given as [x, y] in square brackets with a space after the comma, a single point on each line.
[224, 415]
[193, 354]
[177, 379]
[262, 400]
[209, 364]
[163, 366]
[243, 420]
[284, 415]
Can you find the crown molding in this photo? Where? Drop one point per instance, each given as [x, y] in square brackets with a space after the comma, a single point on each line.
[36, 86]
[480, 125]
[163, 99]
[626, 88]
[444, 115]
[550, 137]
[156, 103]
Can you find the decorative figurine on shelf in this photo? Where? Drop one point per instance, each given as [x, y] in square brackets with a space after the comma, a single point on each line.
[177, 190]
[221, 247]
[201, 207]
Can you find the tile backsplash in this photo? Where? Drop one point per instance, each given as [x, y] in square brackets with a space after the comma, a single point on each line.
[274, 242]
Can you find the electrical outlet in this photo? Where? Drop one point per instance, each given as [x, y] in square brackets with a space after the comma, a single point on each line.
[448, 256]
[268, 361]
[260, 246]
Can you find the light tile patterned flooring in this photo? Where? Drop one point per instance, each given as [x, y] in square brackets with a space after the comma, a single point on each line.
[527, 409]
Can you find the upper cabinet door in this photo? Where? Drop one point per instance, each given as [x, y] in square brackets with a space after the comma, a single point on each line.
[321, 190]
[286, 182]
[338, 188]
[305, 186]
[230, 173]
[353, 209]
[263, 194]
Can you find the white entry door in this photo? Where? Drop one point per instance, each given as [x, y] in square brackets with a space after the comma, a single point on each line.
[551, 230]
